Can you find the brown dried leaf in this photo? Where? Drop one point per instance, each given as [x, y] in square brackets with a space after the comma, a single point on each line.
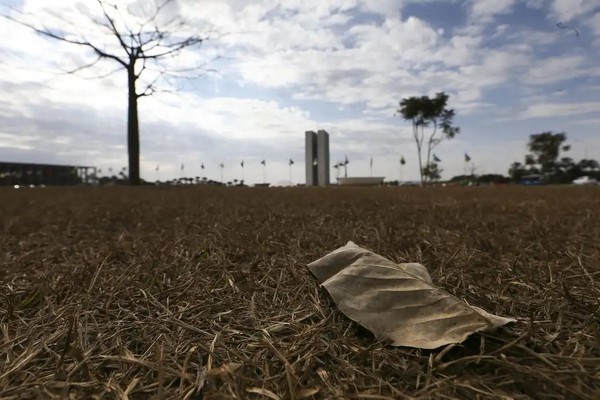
[228, 368]
[398, 301]
[307, 392]
[263, 392]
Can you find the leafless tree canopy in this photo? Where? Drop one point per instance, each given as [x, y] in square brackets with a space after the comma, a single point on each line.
[149, 39]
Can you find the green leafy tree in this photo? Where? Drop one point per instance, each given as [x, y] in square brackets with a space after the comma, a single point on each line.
[586, 165]
[545, 158]
[517, 171]
[545, 150]
[432, 172]
[147, 43]
[492, 178]
[432, 113]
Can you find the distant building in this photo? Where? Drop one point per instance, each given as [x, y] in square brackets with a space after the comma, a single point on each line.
[317, 158]
[311, 158]
[13, 173]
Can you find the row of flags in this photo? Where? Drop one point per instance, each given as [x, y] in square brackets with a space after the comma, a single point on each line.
[343, 163]
[263, 162]
[336, 166]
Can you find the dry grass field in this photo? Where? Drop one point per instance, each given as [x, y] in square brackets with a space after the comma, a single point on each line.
[204, 293]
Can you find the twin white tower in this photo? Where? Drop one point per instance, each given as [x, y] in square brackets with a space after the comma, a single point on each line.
[317, 158]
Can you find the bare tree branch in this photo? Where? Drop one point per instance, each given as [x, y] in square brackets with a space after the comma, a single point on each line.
[113, 27]
[151, 42]
[175, 48]
[154, 15]
[52, 35]
[85, 66]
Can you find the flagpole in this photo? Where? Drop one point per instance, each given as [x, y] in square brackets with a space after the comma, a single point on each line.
[371, 166]
[402, 162]
[345, 166]
[467, 161]
[400, 175]
[290, 174]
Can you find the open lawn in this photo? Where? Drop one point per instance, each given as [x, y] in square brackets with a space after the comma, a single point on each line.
[203, 293]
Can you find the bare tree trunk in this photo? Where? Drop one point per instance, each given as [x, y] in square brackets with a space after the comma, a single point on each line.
[430, 145]
[421, 168]
[133, 128]
[419, 143]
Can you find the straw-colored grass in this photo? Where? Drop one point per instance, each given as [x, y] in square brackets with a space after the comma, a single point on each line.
[203, 293]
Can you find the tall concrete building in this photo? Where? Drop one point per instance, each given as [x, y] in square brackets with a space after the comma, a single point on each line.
[317, 158]
[311, 158]
[323, 158]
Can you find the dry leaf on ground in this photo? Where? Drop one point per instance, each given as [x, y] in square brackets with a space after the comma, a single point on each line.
[398, 301]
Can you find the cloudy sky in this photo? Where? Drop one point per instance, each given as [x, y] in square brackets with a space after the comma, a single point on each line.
[276, 68]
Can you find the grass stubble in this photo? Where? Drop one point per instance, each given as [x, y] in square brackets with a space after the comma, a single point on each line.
[203, 293]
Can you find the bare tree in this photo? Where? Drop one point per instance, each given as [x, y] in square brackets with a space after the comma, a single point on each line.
[140, 45]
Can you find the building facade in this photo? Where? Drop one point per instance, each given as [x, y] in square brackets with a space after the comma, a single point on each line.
[311, 158]
[13, 173]
[317, 158]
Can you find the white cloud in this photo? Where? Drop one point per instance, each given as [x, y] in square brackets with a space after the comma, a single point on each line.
[390, 9]
[545, 71]
[554, 110]
[568, 10]
[485, 10]
[594, 23]
[590, 121]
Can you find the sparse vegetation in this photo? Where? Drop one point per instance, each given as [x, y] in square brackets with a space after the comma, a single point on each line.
[425, 112]
[203, 292]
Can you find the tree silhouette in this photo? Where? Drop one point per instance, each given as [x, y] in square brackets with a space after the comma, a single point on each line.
[426, 112]
[588, 165]
[517, 171]
[144, 47]
[544, 151]
[433, 172]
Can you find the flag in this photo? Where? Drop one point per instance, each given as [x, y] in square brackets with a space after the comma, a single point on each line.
[291, 162]
[346, 160]
[242, 163]
[182, 166]
[263, 162]
[402, 160]
[436, 158]
[202, 165]
[371, 163]
[157, 168]
[222, 165]
[336, 166]
[467, 158]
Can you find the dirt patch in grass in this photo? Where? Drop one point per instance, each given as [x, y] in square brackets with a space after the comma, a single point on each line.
[203, 293]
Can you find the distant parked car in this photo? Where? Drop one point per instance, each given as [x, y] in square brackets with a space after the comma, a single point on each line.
[532, 179]
[585, 180]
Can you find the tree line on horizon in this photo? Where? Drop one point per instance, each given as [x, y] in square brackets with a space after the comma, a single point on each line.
[432, 123]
